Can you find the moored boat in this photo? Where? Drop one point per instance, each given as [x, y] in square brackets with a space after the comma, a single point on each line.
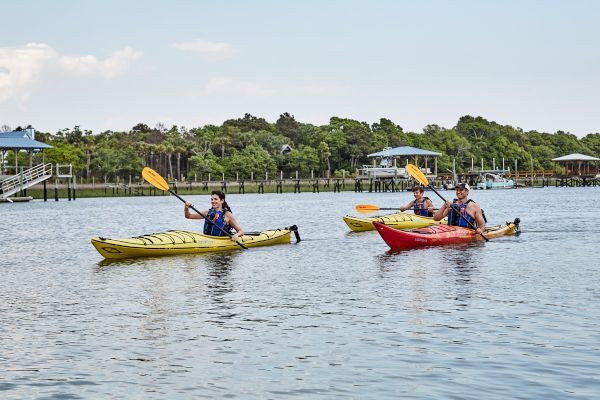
[186, 242]
[440, 234]
[399, 220]
[494, 181]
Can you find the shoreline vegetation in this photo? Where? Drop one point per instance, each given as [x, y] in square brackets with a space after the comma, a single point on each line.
[88, 190]
[248, 148]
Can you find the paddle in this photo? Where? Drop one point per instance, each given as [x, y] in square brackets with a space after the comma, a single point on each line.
[153, 178]
[420, 176]
[367, 208]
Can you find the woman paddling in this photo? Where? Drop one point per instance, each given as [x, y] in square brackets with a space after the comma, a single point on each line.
[220, 218]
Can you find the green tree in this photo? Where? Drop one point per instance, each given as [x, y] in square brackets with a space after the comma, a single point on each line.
[252, 159]
[358, 136]
[287, 126]
[64, 153]
[324, 154]
[249, 123]
[271, 142]
[592, 142]
[204, 164]
[387, 134]
[205, 138]
[303, 159]
[117, 162]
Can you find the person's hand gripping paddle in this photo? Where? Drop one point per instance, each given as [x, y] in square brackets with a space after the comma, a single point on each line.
[153, 178]
[422, 179]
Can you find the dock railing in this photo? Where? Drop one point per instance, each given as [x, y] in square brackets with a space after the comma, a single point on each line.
[24, 179]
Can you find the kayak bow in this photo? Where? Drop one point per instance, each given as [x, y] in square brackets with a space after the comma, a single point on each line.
[400, 220]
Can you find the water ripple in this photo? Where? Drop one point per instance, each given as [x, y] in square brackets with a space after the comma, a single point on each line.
[336, 316]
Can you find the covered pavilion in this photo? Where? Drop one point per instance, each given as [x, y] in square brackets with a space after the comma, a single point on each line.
[12, 182]
[580, 170]
[17, 141]
[388, 159]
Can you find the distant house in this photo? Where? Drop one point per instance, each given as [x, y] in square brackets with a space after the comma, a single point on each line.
[286, 148]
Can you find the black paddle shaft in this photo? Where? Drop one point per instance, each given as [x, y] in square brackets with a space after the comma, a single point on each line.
[207, 219]
[453, 206]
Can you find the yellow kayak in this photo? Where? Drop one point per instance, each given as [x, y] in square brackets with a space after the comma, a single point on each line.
[399, 220]
[186, 242]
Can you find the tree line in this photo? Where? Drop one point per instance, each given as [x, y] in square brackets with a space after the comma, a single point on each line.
[240, 148]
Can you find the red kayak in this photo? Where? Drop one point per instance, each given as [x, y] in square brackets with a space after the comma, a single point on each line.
[437, 235]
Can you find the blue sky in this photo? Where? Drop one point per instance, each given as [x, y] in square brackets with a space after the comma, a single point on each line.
[111, 64]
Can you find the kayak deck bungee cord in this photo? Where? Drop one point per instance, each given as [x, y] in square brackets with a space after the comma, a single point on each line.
[400, 220]
[187, 242]
[437, 235]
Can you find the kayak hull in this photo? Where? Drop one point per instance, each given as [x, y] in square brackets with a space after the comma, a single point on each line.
[400, 220]
[440, 235]
[184, 242]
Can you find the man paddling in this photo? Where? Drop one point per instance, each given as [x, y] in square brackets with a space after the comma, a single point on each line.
[462, 210]
[421, 205]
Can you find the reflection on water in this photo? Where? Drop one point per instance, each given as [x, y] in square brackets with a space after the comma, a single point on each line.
[115, 263]
[463, 268]
[220, 282]
[220, 264]
[337, 315]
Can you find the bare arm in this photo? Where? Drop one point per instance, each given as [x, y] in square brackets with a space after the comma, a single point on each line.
[188, 215]
[429, 205]
[407, 206]
[442, 212]
[478, 215]
[231, 221]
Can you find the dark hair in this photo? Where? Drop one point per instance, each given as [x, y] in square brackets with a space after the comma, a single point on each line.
[221, 195]
[418, 188]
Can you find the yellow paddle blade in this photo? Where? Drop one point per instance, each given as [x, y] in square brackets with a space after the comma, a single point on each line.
[417, 174]
[366, 208]
[153, 178]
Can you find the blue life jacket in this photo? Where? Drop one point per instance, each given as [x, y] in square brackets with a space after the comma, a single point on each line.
[217, 219]
[420, 209]
[460, 218]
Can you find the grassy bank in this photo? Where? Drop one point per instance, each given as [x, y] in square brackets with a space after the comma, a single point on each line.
[197, 188]
[89, 190]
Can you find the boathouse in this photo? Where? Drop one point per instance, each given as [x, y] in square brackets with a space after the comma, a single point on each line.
[387, 172]
[390, 161]
[15, 178]
[579, 170]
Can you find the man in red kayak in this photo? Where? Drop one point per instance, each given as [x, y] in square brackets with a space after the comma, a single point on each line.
[421, 205]
[463, 211]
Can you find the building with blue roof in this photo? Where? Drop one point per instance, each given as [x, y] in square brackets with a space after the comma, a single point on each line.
[20, 179]
[404, 151]
[17, 141]
[389, 162]
[21, 140]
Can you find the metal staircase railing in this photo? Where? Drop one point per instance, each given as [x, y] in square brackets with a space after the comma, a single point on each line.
[25, 179]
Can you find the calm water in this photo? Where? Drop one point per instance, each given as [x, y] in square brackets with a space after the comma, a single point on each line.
[336, 316]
